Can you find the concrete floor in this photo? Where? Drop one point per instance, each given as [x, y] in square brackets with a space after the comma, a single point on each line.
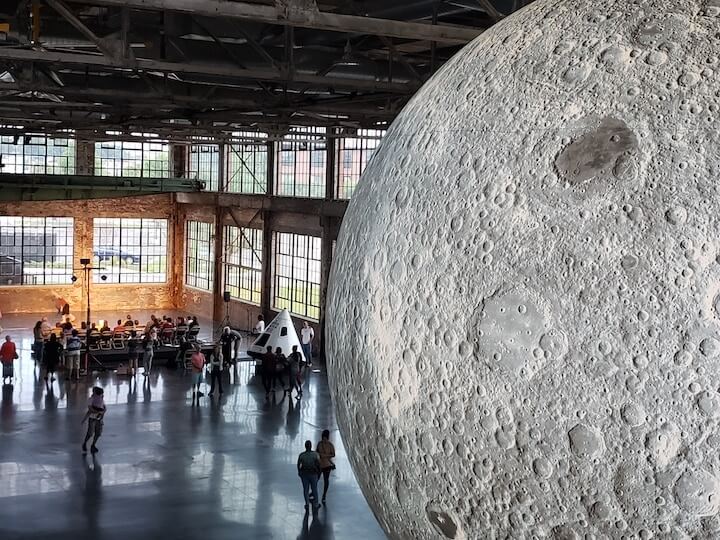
[165, 469]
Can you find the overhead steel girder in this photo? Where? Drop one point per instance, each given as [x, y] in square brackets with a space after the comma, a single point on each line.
[52, 187]
[269, 75]
[303, 19]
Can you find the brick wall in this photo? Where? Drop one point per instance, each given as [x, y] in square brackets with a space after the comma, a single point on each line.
[27, 299]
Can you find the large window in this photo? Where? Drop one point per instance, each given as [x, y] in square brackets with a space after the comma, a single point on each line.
[37, 154]
[247, 164]
[204, 164]
[36, 250]
[130, 250]
[353, 155]
[242, 263]
[199, 254]
[132, 159]
[297, 274]
[301, 163]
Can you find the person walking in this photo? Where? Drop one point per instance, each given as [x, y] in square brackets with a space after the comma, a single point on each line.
[150, 342]
[308, 334]
[8, 355]
[94, 416]
[308, 465]
[198, 365]
[294, 361]
[52, 354]
[326, 451]
[72, 353]
[268, 370]
[280, 368]
[38, 341]
[133, 352]
[216, 369]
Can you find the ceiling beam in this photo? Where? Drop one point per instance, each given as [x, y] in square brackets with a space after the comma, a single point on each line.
[303, 19]
[217, 70]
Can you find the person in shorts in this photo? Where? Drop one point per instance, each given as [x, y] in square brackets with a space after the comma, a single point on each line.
[72, 355]
[94, 416]
[198, 365]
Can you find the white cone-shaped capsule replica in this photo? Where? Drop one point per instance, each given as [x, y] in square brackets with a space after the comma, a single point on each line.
[279, 333]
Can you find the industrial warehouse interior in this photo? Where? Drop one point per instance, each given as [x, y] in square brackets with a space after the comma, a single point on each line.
[359, 269]
[186, 159]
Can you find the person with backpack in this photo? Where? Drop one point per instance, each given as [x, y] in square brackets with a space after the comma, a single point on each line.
[8, 355]
[308, 465]
[198, 365]
[293, 370]
[280, 367]
[72, 355]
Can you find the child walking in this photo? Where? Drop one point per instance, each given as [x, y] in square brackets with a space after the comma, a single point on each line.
[94, 416]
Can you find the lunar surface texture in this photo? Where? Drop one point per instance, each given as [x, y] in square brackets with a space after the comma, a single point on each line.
[524, 304]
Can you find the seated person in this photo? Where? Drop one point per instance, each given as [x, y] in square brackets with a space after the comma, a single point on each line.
[192, 321]
[168, 323]
[120, 328]
[94, 329]
[105, 327]
[137, 323]
[67, 325]
[181, 321]
[129, 322]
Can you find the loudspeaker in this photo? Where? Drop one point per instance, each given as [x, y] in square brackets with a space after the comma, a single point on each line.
[85, 261]
[226, 296]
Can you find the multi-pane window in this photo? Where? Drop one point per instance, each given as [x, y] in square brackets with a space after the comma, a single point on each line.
[242, 263]
[37, 154]
[353, 155]
[297, 274]
[36, 250]
[132, 159]
[247, 163]
[301, 163]
[130, 250]
[204, 164]
[199, 254]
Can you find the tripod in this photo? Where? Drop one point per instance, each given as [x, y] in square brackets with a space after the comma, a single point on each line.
[226, 320]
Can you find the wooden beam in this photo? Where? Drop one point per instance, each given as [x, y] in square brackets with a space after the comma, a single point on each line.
[215, 70]
[314, 20]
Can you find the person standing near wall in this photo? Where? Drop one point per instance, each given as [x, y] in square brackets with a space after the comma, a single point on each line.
[308, 334]
[326, 451]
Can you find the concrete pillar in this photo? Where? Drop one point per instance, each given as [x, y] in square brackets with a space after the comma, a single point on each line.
[270, 189]
[330, 172]
[218, 285]
[84, 157]
[178, 160]
[266, 287]
[328, 235]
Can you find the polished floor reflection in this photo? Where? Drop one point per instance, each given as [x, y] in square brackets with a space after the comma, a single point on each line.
[165, 469]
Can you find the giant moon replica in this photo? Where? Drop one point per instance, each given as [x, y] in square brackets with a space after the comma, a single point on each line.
[523, 311]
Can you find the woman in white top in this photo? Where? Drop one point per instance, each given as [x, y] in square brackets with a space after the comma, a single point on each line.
[260, 326]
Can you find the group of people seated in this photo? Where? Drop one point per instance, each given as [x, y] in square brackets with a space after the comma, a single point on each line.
[166, 329]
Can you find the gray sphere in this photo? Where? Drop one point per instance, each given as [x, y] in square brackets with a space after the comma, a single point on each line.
[523, 311]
